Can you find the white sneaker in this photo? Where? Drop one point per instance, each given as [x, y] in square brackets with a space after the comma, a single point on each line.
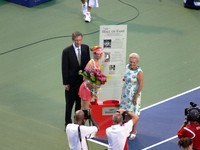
[87, 17]
[84, 8]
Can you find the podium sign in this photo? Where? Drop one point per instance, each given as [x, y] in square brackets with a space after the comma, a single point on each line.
[113, 39]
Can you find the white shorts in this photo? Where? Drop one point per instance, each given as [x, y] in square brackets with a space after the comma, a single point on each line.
[93, 3]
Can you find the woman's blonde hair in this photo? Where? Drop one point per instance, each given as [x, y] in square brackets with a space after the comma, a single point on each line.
[94, 48]
[134, 55]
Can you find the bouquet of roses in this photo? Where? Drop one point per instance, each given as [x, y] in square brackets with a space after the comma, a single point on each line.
[94, 76]
[93, 80]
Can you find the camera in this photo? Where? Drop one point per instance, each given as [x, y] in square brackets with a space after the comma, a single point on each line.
[86, 114]
[192, 113]
[126, 117]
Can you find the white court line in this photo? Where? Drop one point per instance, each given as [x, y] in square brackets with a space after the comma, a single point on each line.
[160, 143]
[100, 143]
[171, 98]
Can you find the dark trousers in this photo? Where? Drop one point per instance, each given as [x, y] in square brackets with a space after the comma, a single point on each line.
[71, 97]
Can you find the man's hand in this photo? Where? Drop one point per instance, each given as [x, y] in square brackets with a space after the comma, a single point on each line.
[121, 111]
[185, 122]
[67, 87]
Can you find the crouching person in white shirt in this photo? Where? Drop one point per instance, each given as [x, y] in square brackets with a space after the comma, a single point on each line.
[78, 132]
[117, 133]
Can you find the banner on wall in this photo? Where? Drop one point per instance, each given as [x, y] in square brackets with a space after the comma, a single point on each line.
[113, 39]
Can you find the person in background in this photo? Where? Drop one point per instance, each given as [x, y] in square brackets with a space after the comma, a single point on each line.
[117, 133]
[87, 7]
[77, 132]
[185, 143]
[191, 127]
[85, 91]
[74, 58]
[131, 90]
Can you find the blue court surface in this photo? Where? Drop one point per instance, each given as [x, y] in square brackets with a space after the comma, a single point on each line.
[159, 123]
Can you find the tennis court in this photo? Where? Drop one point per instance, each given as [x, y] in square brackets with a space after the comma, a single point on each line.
[160, 122]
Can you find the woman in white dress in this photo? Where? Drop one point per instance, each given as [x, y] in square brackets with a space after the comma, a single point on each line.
[131, 91]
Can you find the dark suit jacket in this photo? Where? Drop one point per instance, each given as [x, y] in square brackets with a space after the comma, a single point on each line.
[70, 66]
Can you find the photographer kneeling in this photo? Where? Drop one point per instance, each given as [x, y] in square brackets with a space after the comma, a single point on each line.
[77, 132]
[191, 126]
[117, 134]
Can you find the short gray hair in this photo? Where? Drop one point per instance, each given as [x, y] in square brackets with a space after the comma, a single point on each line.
[117, 118]
[76, 34]
[134, 55]
[79, 115]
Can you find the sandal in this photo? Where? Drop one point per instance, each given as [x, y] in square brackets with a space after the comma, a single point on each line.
[132, 136]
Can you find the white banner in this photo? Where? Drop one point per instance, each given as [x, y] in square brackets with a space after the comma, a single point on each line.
[113, 40]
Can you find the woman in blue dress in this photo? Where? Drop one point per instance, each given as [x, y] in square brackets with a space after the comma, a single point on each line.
[131, 90]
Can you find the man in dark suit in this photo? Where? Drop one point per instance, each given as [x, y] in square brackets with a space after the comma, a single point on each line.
[74, 58]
